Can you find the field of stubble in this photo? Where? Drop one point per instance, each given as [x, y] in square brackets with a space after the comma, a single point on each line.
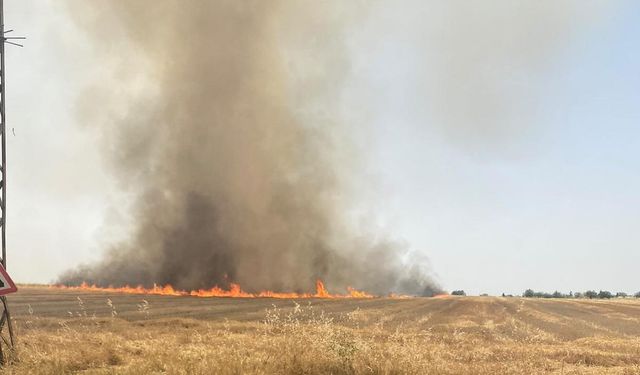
[63, 332]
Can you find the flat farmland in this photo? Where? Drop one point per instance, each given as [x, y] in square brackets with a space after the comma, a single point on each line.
[62, 331]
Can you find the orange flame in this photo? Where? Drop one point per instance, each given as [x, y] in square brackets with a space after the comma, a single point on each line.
[234, 291]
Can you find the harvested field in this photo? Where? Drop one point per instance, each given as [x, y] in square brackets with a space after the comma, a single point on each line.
[100, 333]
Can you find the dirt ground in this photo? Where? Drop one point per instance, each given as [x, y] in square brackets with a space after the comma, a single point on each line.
[61, 331]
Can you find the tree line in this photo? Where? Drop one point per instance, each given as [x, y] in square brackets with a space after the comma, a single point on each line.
[590, 294]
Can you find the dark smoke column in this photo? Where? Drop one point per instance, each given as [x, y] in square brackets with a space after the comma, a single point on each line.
[237, 170]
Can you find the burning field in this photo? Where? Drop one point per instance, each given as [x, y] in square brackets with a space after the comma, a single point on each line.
[240, 234]
[104, 332]
[234, 291]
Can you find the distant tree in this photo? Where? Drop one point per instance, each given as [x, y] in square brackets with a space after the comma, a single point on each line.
[605, 294]
[637, 295]
[591, 294]
[621, 295]
[557, 294]
[530, 293]
[458, 293]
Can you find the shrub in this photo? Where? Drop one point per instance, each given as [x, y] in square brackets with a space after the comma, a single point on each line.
[591, 294]
[605, 294]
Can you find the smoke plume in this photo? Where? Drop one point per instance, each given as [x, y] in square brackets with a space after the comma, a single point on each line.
[220, 120]
[476, 62]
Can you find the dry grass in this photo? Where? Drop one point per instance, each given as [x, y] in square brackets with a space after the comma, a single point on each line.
[454, 336]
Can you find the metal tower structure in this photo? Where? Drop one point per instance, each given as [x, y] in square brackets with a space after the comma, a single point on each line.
[6, 336]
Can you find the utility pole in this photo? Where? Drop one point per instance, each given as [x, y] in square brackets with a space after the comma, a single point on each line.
[5, 319]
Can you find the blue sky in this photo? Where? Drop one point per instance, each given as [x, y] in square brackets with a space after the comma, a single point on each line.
[502, 141]
[552, 204]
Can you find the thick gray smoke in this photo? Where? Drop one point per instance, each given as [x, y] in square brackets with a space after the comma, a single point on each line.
[214, 120]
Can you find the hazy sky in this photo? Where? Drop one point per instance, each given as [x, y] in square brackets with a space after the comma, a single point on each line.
[501, 138]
